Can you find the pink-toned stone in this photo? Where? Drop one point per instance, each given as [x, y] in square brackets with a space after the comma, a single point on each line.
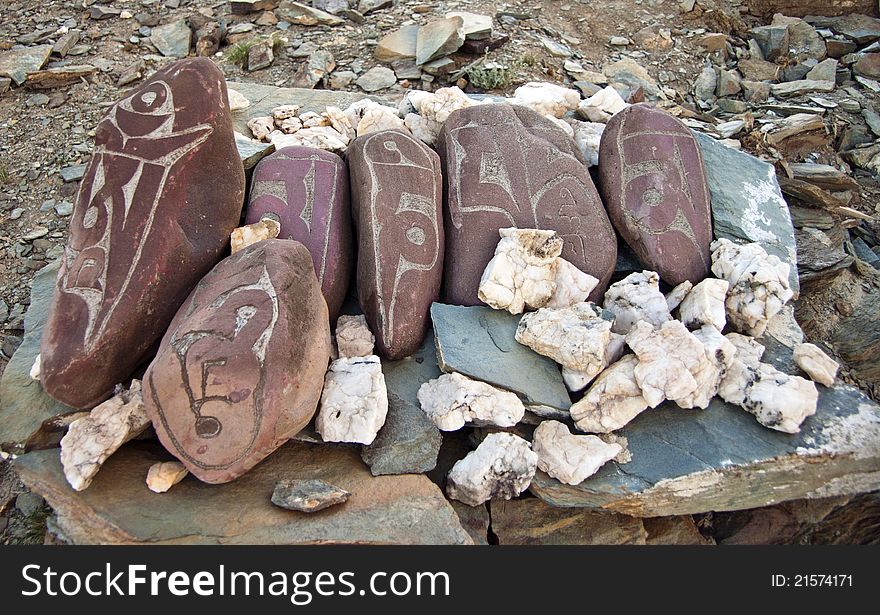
[504, 166]
[653, 183]
[242, 365]
[307, 189]
[396, 195]
[160, 196]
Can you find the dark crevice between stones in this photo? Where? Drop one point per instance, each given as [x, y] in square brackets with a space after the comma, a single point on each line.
[491, 536]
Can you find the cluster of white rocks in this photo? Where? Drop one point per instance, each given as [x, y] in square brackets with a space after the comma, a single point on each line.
[354, 403]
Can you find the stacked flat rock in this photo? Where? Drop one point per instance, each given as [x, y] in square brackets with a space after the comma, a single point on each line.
[653, 183]
[307, 190]
[159, 198]
[241, 367]
[506, 166]
[396, 194]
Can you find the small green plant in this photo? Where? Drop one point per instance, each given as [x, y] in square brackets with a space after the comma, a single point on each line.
[238, 53]
[4, 174]
[528, 60]
[490, 76]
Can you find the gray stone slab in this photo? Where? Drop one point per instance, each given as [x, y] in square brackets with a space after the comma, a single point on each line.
[250, 151]
[747, 203]
[692, 461]
[409, 442]
[26, 410]
[480, 343]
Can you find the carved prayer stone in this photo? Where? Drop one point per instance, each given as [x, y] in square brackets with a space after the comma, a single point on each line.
[307, 189]
[503, 166]
[396, 196]
[653, 183]
[241, 367]
[161, 194]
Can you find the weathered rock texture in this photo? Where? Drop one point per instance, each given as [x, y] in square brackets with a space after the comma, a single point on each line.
[240, 369]
[818, 366]
[396, 195]
[353, 337]
[163, 475]
[505, 165]
[704, 305]
[307, 495]
[634, 298]
[247, 235]
[501, 466]
[452, 400]
[354, 403]
[613, 401]
[164, 161]
[570, 458]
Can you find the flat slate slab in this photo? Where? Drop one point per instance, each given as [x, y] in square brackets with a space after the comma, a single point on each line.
[480, 343]
[119, 509]
[691, 461]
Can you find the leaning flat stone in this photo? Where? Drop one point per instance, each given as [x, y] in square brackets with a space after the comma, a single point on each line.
[59, 76]
[475, 26]
[399, 45]
[241, 367]
[439, 38]
[505, 165]
[480, 343]
[860, 28]
[251, 151]
[685, 462]
[304, 15]
[172, 40]
[802, 86]
[307, 495]
[747, 204]
[119, 509]
[396, 194]
[17, 63]
[307, 189]
[164, 161]
[27, 413]
[654, 186]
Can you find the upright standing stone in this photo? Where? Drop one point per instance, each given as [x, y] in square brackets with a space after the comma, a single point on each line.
[241, 367]
[396, 195]
[654, 185]
[504, 166]
[307, 189]
[160, 197]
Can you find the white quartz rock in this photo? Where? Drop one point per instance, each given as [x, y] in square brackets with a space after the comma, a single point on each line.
[367, 116]
[313, 119]
[576, 337]
[602, 106]
[243, 236]
[282, 112]
[819, 366]
[576, 381]
[572, 285]
[91, 440]
[563, 125]
[237, 100]
[261, 127]
[503, 465]
[322, 137]
[426, 112]
[671, 360]
[290, 125]
[613, 401]
[636, 297]
[587, 135]
[548, 99]
[163, 476]
[353, 336]
[748, 350]
[452, 400]
[422, 129]
[720, 353]
[758, 284]
[523, 271]
[341, 121]
[677, 295]
[704, 305]
[570, 458]
[36, 368]
[354, 403]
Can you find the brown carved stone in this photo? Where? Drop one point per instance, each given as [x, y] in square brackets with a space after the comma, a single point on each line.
[653, 183]
[242, 365]
[307, 189]
[161, 194]
[396, 194]
[503, 166]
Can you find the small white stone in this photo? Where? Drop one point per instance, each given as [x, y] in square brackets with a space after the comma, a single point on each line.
[313, 119]
[438, 105]
[569, 458]
[576, 381]
[321, 137]
[243, 236]
[572, 285]
[354, 403]
[547, 99]
[452, 400]
[670, 361]
[819, 366]
[282, 112]
[261, 127]
[563, 125]
[602, 106]
[503, 465]
[576, 337]
[290, 125]
[367, 116]
[523, 271]
[422, 129]
[91, 440]
[613, 401]
[636, 297]
[36, 368]
[677, 295]
[759, 284]
[237, 100]
[588, 136]
[353, 336]
[704, 305]
[163, 476]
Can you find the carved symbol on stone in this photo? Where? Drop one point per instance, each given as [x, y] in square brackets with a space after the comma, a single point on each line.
[309, 184]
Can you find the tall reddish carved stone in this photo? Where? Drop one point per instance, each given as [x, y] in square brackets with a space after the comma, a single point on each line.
[162, 192]
[653, 182]
[242, 365]
[396, 194]
[503, 166]
[307, 188]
